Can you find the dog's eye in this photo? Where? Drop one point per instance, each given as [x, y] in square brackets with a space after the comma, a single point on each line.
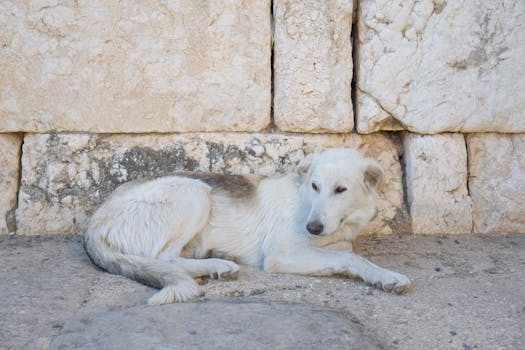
[314, 186]
[339, 189]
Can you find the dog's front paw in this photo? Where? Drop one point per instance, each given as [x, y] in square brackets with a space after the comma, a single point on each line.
[394, 282]
[225, 269]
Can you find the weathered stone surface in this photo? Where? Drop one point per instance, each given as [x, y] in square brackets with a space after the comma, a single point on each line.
[51, 293]
[44, 282]
[65, 176]
[143, 66]
[436, 177]
[234, 325]
[432, 66]
[9, 169]
[497, 182]
[313, 65]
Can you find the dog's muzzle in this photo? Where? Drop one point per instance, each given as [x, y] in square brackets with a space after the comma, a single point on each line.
[315, 227]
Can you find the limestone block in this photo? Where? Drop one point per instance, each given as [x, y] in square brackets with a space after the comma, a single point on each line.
[9, 169]
[497, 182]
[436, 177]
[138, 66]
[432, 66]
[313, 65]
[65, 176]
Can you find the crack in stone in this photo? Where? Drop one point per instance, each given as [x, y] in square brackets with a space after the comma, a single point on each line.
[384, 109]
[468, 160]
[10, 218]
[355, 59]
[272, 68]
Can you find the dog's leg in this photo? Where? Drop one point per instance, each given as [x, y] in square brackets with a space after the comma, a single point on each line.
[176, 285]
[341, 245]
[324, 262]
[213, 267]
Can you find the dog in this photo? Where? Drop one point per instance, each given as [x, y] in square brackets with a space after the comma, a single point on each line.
[167, 231]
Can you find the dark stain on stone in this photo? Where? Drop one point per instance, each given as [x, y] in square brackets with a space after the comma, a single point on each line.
[218, 153]
[53, 140]
[215, 153]
[143, 161]
[10, 220]
[477, 56]
[233, 152]
[135, 163]
[485, 54]
[422, 156]
[284, 164]
[401, 222]
[458, 65]
[36, 193]
[139, 163]
[439, 7]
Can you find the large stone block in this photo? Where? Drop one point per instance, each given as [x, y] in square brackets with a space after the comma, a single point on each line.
[432, 66]
[313, 65]
[497, 182]
[436, 177]
[139, 66]
[65, 176]
[9, 171]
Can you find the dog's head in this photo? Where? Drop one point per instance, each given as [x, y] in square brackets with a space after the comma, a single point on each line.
[340, 185]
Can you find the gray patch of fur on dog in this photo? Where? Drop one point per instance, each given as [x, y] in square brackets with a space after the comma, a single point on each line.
[236, 186]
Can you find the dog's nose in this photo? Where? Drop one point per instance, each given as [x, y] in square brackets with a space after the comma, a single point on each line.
[315, 227]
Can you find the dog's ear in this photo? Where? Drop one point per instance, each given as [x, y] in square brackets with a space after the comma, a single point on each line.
[305, 164]
[373, 175]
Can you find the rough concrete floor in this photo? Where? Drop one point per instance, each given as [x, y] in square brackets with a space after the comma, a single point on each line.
[469, 293]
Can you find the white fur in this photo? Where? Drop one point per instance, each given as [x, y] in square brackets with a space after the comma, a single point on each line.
[161, 232]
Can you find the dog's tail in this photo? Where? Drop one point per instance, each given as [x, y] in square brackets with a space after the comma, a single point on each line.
[175, 284]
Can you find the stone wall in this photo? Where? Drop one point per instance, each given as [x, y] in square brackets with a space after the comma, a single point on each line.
[95, 94]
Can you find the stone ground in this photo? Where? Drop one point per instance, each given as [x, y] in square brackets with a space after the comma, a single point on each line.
[468, 293]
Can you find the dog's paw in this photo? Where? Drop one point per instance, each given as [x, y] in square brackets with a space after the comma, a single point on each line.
[180, 292]
[225, 269]
[394, 282]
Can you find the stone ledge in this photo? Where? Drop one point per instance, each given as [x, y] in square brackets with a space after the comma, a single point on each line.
[10, 146]
[66, 176]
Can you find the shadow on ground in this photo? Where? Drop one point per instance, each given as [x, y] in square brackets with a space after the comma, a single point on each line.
[468, 293]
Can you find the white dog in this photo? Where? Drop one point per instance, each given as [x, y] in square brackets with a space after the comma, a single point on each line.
[166, 231]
